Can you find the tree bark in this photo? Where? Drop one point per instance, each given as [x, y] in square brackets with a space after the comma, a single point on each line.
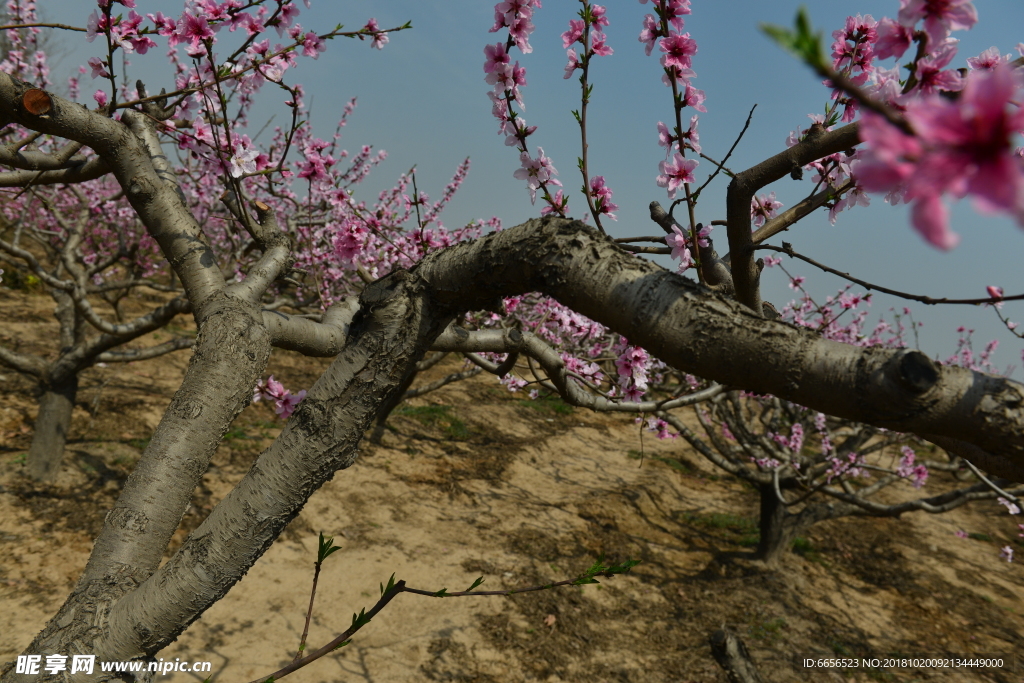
[731, 654]
[51, 429]
[776, 525]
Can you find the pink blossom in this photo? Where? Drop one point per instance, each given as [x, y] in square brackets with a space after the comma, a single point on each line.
[602, 195]
[244, 162]
[675, 174]
[287, 16]
[574, 34]
[508, 77]
[675, 74]
[893, 39]
[99, 67]
[932, 75]
[94, 25]
[536, 171]
[994, 292]
[312, 45]
[559, 204]
[1011, 506]
[574, 63]
[1006, 553]
[763, 207]
[852, 45]
[100, 97]
[650, 33]
[691, 137]
[962, 147]
[677, 240]
[693, 97]
[520, 31]
[284, 401]
[917, 473]
[673, 11]
[940, 16]
[854, 197]
[987, 59]
[495, 56]
[679, 50]
[165, 26]
[380, 38]
[194, 30]
[665, 138]
[960, 533]
[598, 44]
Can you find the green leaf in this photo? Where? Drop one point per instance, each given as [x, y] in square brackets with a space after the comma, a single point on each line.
[360, 620]
[325, 548]
[576, 115]
[584, 580]
[802, 42]
[343, 644]
[475, 584]
[387, 589]
[441, 593]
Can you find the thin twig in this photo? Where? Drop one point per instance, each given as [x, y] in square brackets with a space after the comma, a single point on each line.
[931, 301]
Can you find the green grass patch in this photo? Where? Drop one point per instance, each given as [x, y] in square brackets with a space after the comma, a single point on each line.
[21, 281]
[550, 404]
[767, 629]
[804, 548]
[140, 444]
[742, 531]
[980, 537]
[235, 433]
[437, 417]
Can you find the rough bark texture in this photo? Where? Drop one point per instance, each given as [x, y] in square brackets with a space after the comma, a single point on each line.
[731, 654]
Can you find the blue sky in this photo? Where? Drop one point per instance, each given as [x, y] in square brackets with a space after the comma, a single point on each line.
[423, 99]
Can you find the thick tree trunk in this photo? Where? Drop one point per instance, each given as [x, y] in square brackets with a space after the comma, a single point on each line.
[778, 527]
[52, 426]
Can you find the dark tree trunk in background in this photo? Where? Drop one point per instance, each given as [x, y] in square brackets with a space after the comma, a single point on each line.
[778, 527]
[52, 426]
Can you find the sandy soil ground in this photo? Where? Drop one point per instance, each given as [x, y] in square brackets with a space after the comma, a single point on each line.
[472, 481]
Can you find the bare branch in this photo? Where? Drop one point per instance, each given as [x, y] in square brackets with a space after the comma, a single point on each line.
[744, 185]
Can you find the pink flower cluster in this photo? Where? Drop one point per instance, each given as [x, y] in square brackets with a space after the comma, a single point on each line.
[507, 80]
[285, 401]
[678, 50]
[680, 245]
[962, 147]
[23, 58]
[764, 208]
[581, 31]
[917, 474]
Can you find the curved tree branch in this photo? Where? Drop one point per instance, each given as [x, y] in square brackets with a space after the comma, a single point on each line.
[744, 185]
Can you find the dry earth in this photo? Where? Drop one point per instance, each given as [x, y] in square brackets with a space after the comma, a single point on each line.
[472, 481]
